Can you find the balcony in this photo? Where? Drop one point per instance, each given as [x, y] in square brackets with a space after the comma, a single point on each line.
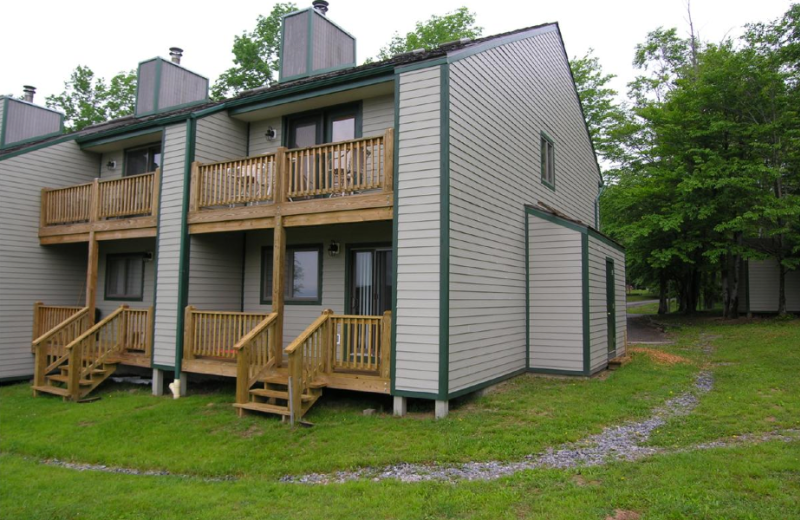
[115, 208]
[348, 181]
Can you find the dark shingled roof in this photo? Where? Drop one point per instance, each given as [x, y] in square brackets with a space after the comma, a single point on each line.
[255, 94]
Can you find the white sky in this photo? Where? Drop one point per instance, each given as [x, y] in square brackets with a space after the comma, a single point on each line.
[42, 42]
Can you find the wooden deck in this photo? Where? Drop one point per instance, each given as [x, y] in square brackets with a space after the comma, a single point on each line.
[337, 183]
[111, 209]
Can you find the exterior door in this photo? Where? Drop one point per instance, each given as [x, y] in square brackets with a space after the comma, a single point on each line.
[611, 309]
[304, 132]
[371, 281]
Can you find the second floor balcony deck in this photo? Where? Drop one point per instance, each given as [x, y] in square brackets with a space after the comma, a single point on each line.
[348, 181]
[116, 208]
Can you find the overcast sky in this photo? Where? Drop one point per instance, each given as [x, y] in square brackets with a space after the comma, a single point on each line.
[42, 42]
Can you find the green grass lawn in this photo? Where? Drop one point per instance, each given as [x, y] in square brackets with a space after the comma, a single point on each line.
[638, 295]
[755, 365]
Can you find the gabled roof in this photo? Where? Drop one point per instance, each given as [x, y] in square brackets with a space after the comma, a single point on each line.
[385, 67]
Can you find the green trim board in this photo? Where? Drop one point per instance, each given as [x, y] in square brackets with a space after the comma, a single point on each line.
[444, 232]
[395, 237]
[185, 244]
[606, 240]
[420, 65]
[484, 384]
[166, 368]
[466, 52]
[416, 395]
[586, 305]
[266, 256]
[527, 292]
[155, 255]
[582, 228]
[555, 372]
[91, 143]
[39, 146]
[3, 122]
[111, 256]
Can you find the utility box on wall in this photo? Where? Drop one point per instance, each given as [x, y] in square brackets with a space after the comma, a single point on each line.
[312, 44]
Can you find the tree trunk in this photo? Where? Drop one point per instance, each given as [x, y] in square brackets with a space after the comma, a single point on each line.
[663, 307]
[726, 294]
[781, 290]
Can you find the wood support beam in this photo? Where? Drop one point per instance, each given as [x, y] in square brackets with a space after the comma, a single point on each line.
[278, 286]
[91, 275]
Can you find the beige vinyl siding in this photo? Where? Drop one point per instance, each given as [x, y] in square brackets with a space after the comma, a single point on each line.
[55, 275]
[116, 173]
[258, 143]
[764, 279]
[598, 306]
[169, 240]
[111, 247]
[418, 231]
[500, 102]
[556, 296]
[299, 317]
[215, 271]
[220, 138]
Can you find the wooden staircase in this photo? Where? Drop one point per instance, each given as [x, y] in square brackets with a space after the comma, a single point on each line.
[274, 397]
[74, 368]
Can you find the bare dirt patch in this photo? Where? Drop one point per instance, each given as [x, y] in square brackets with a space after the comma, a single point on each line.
[661, 357]
[621, 514]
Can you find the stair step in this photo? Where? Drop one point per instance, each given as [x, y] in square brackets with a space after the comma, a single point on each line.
[65, 379]
[275, 380]
[265, 408]
[63, 392]
[278, 394]
[96, 371]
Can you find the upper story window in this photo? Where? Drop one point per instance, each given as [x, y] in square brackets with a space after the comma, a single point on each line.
[303, 282]
[331, 125]
[548, 154]
[143, 159]
[125, 277]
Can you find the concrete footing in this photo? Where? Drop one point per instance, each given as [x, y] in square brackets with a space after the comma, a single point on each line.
[400, 406]
[442, 409]
[158, 382]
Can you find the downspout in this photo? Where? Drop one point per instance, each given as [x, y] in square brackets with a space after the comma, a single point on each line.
[602, 188]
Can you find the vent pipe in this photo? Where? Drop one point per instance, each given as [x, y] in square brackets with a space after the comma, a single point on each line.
[29, 92]
[321, 6]
[175, 53]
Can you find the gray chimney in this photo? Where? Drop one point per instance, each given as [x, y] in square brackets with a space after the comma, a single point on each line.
[321, 6]
[314, 44]
[175, 53]
[29, 92]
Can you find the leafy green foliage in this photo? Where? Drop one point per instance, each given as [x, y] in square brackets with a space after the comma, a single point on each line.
[256, 55]
[433, 32]
[87, 100]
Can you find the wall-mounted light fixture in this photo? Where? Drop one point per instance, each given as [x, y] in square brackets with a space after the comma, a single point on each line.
[111, 165]
[148, 256]
[271, 134]
[333, 249]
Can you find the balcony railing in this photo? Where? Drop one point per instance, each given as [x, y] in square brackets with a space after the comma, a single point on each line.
[329, 170]
[134, 196]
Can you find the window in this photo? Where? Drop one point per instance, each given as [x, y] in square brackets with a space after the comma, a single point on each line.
[144, 159]
[125, 277]
[548, 162]
[303, 284]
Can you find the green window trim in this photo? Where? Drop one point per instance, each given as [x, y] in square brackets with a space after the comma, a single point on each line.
[266, 266]
[120, 256]
[152, 165]
[548, 160]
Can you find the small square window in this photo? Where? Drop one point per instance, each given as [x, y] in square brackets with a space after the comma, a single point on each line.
[303, 282]
[125, 277]
[548, 155]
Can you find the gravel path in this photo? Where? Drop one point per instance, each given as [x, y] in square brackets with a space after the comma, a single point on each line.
[616, 443]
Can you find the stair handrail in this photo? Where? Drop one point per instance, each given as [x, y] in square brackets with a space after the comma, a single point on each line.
[248, 369]
[99, 325]
[50, 333]
[300, 375]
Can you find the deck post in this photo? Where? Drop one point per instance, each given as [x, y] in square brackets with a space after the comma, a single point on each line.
[386, 344]
[278, 274]
[148, 335]
[91, 276]
[400, 406]
[442, 408]
[188, 333]
[94, 202]
[195, 189]
[36, 311]
[388, 160]
[156, 193]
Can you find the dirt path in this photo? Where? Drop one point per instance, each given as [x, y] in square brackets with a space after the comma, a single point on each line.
[642, 330]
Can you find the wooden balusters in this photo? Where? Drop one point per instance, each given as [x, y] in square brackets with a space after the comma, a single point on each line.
[358, 342]
[254, 356]
[241, 181]
[212, 334]
[126, 197]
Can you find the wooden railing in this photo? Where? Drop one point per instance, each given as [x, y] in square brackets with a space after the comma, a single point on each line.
[46, 317]
[240, 181]
[343, 168]
[137, 327]
[212, 334]
[102, 199]
[340, 168]
[127, 197]
[50, 348]
[309, 355]
[254, 356]
[362, 342]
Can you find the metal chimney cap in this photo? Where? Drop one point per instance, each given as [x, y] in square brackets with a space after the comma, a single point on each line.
[176, 53]
[321, 6]
[29, 92]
